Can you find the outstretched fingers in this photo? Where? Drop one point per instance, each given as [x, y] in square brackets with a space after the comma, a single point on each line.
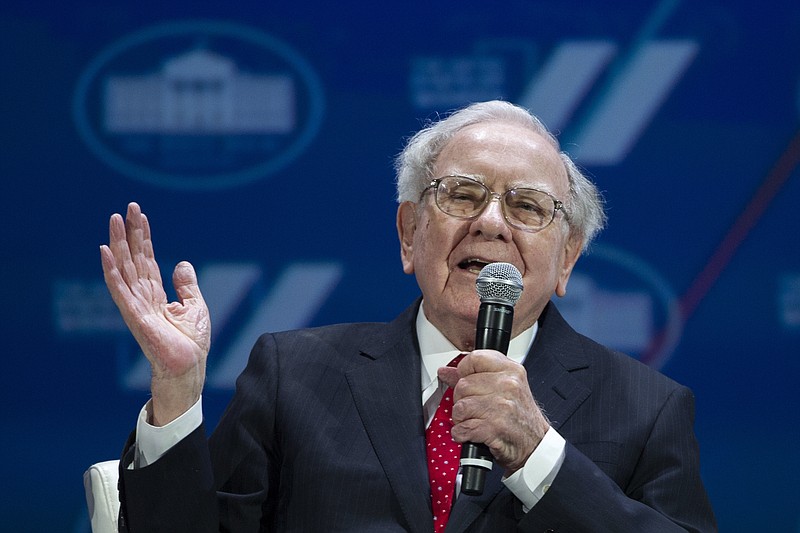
[147, 250]
[113, 277]
[137, 232]
[120, 249]
[129, 264]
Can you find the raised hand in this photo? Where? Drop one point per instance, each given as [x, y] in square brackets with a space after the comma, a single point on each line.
[174, 336]
[493, 405]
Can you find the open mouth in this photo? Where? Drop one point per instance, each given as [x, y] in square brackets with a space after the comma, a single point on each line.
[472, 265]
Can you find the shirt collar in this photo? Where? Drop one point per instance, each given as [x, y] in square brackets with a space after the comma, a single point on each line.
[437, 351]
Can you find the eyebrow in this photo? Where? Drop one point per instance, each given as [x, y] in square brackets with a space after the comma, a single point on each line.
[480, 178]
[477, 177]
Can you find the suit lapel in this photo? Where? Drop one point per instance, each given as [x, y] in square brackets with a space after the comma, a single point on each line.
[387, 387]
[555, 353]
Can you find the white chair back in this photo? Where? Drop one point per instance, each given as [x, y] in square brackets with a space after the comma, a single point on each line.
[102, 496]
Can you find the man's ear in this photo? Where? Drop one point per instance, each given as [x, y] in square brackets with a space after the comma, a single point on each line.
[406, 227]
[572, 251]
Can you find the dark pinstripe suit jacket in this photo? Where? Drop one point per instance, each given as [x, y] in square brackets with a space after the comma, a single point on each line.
[326, 433]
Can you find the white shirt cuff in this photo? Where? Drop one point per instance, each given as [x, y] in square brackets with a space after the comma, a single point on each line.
[153, 442]
[530, 483]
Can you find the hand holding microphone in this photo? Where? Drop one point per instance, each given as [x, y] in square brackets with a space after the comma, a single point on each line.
[499, 408]
[499, 286]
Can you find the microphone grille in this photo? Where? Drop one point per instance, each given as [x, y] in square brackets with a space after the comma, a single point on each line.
[499, 283]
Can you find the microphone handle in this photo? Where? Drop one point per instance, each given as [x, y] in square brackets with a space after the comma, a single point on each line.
[493, 332]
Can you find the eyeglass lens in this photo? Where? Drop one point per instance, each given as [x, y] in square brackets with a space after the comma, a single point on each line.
[466, 198]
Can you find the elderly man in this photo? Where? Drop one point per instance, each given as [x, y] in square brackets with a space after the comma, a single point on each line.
[327, 428]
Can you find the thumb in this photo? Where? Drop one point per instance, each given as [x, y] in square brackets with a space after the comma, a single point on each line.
[448, 375]
[184, 279]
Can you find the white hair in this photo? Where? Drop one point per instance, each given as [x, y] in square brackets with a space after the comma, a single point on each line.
[414, 166]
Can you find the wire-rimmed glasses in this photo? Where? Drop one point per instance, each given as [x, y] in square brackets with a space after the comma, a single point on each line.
[523, 208]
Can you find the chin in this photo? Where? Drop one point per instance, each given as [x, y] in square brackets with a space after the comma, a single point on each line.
[466, 309]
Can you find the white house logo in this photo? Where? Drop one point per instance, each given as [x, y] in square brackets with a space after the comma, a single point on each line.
[198, 105]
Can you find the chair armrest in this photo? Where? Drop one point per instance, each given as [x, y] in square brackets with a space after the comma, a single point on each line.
[102, 496]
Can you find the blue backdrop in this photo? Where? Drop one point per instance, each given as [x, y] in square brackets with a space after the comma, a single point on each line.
[259, 140]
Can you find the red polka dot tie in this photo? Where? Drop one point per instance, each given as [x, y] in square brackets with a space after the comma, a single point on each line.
[443, 454]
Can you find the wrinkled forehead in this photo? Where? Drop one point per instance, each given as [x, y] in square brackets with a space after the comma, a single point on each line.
[504, 156]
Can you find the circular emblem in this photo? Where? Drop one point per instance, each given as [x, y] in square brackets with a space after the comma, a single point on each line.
[620, 301]
[198, 105]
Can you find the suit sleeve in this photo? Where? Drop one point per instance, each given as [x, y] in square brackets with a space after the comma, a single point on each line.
[176, 493]
[206, 485]
[663, 494]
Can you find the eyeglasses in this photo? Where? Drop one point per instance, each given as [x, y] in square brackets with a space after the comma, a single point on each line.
[526, 209]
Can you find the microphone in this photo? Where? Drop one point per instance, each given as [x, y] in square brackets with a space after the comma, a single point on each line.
[499, 286]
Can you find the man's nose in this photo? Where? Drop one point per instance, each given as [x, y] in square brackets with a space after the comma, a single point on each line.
[491, 222]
